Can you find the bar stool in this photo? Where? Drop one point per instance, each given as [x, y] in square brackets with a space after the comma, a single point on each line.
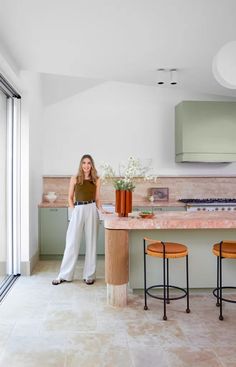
[223, 250]
[166, 251]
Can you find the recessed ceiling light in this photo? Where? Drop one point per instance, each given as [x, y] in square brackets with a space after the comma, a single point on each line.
[173, 76]
[167, 76]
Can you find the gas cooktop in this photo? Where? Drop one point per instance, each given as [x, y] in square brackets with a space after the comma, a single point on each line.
[212, 204]
[208, 201]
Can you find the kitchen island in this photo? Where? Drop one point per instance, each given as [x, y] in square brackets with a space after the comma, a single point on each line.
[198, 230]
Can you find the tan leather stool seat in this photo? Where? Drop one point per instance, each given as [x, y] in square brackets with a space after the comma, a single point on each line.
[228, 249]
[172, 250]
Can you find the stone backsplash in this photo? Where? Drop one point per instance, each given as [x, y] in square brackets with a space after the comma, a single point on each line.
[179, 187]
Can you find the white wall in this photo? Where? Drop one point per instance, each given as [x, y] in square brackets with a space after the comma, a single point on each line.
[35, 115]
[31, 165]
[115, 120]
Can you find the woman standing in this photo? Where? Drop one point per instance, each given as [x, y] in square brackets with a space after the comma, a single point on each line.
[84, 198]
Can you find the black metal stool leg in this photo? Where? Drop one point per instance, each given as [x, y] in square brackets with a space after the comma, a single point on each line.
[217, 285]
[187, 285]
[164, 286]
[223, 250]
[167, 275]
[221, 315]
[145, 276]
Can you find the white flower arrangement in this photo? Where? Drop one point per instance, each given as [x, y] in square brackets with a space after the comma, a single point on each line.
[129, 171]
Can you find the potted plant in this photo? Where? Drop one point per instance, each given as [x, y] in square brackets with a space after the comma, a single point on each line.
[125, 183]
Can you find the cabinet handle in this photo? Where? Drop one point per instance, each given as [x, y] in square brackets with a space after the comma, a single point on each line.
[53, 209]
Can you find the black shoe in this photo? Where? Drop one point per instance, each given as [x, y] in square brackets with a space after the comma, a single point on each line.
[89, 281]
[58, 281]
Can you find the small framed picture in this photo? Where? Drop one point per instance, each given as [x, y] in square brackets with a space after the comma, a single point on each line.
[160, 193]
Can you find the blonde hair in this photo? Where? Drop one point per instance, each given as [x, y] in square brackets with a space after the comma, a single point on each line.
[93, 171]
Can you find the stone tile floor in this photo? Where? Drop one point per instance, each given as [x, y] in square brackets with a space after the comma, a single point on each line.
[70, 325]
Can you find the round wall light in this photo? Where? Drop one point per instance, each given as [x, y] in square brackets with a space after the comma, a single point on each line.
[224, 65]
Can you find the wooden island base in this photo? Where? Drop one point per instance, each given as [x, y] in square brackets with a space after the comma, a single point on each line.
[117, 295]
[116, 266]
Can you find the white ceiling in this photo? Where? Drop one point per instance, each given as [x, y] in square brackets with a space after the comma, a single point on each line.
[119, 40]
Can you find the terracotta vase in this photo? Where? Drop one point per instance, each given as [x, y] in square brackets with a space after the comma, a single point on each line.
[117, 207]
[123, 203]
[128, 202]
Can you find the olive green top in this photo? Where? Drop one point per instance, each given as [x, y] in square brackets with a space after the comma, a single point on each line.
[86, 191]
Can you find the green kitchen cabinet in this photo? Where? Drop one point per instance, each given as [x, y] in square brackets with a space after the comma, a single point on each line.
[53, 224]
[100, 242]
[205, 131]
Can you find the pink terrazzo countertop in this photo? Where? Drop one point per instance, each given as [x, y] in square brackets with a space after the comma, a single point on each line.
[173, 220]
[64, 204]
[56, 204]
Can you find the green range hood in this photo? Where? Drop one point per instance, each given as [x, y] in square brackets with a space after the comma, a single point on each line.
[205, 131]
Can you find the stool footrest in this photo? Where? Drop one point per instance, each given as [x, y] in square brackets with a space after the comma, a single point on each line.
[223, 299]
[167, 298]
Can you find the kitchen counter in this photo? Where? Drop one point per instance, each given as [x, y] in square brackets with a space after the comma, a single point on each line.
[56, 204]
[136, 204]
[173, 220]
[198, 230]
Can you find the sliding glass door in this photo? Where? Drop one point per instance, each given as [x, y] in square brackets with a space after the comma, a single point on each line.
[3, 188]
[9, 186]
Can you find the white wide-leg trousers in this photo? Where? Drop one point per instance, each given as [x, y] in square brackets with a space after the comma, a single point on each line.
[84, 218]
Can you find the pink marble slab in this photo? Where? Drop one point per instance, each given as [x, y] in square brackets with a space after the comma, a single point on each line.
[56, 204]
[59, 203]
[173, 220]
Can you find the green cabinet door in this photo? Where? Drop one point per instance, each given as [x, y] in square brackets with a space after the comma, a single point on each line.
[53, 224]
[100, 242]
[101, 239]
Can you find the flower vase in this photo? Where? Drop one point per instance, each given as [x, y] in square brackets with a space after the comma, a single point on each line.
[128, 202]
[118, 201]
[123, 202]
